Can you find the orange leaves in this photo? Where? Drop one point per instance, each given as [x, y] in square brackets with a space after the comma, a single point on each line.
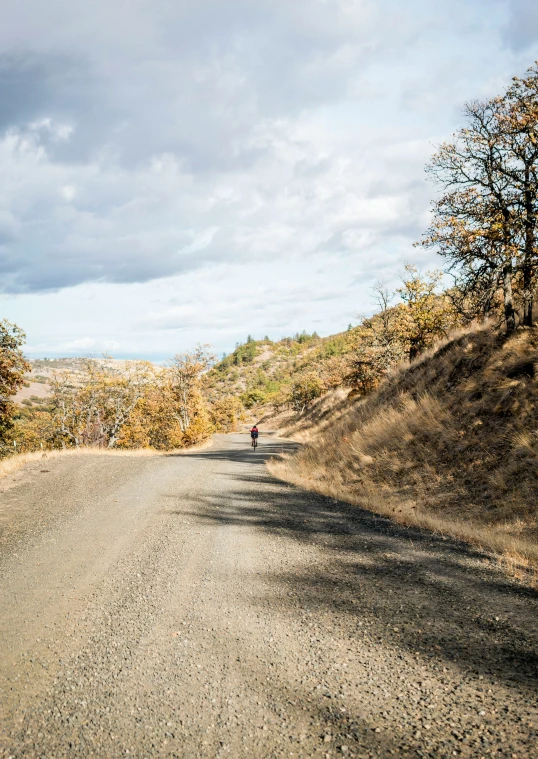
[13, 366]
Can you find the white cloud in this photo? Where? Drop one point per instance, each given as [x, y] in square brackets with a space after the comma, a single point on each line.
[48, 126]
[203, 151]
[68, 192]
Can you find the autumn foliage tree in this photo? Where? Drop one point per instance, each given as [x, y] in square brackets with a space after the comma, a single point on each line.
[226, 413]
[426, 315]
[13, 366]
[400, 331]
[484, 223]
[93, 405]
[131, 404]
[378, 344]
[475, 225]
[520, 144]
[304, 390]
[184, 374]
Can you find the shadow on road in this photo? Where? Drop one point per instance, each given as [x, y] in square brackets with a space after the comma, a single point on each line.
[241, 452]
[411, 589]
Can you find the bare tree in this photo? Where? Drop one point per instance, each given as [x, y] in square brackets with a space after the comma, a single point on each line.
[383, 298]
[475, 223]
[520, 166]
[184, 372]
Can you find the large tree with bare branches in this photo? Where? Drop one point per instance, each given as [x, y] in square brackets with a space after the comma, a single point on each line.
[485, 220]
[475, 222]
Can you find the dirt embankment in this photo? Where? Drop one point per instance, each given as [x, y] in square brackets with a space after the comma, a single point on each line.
[449, 443]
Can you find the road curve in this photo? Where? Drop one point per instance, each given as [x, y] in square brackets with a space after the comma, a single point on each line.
[193, 606]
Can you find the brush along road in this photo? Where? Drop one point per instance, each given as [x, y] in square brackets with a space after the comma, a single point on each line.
[192, 606]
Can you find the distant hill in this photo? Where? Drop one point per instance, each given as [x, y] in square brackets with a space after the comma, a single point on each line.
[36, 387]
[263, 373]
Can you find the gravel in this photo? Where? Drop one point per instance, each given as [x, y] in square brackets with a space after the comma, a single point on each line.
[193, 606]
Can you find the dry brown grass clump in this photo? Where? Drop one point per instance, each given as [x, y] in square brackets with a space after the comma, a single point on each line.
[449, 442]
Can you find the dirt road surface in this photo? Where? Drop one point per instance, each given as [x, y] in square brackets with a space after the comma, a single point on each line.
[192, 606]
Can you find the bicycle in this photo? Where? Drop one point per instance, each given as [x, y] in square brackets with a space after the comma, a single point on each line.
[254, 443]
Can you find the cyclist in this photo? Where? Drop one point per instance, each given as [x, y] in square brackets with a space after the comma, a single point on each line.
[254, 435]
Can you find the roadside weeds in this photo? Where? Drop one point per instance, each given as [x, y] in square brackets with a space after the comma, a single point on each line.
[13, 464]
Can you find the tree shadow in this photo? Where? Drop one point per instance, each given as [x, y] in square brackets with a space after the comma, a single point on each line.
[241, 451]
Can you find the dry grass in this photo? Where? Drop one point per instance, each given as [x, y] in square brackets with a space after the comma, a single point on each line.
[13, 464]
[38, 389]
[449, 443]
[304, 427]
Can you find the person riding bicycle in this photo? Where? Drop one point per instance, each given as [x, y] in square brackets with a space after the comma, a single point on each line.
[254, 433]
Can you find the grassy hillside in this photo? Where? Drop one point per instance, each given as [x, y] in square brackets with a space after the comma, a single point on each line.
[263, 374]
[449, 442]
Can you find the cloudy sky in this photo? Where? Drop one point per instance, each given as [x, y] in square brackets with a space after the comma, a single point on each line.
[174, 171]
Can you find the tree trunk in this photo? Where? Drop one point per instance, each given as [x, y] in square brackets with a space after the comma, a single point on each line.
[415, 348]
[509, 312]
[527, 292]
[528, 263]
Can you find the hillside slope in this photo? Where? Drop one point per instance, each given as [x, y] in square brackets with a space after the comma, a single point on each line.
[449, 442]
[262, 373]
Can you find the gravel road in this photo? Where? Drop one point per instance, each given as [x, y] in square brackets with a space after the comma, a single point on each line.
[193, 606]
